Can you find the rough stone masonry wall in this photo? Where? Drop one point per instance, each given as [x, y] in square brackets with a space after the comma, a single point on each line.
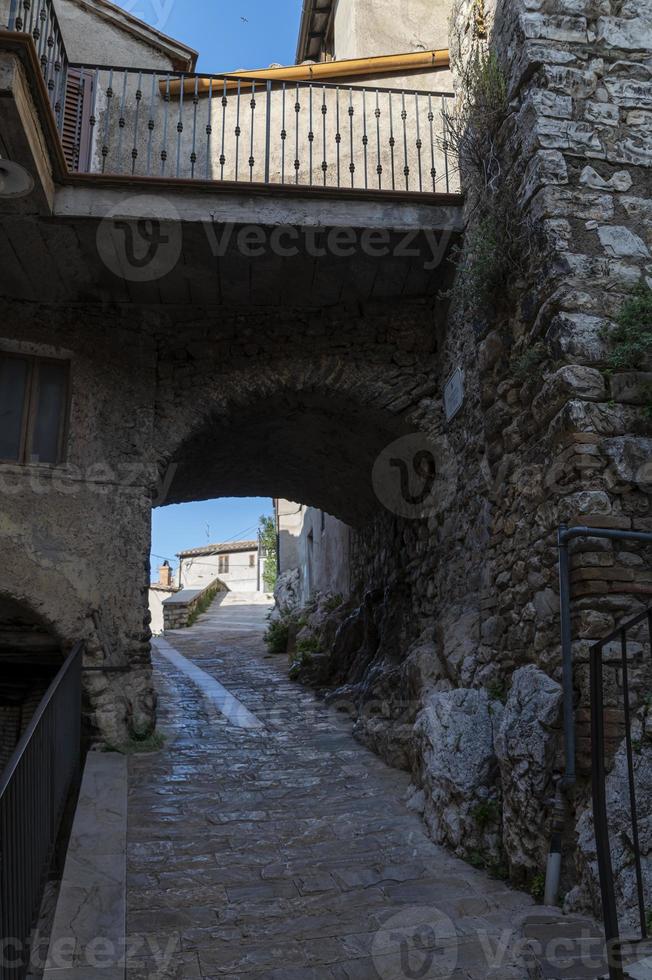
[452, 656]
[75, 538]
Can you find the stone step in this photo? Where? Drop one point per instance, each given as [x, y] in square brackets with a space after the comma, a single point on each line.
[564, 947]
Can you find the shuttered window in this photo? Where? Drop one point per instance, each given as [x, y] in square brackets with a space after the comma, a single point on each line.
[223, 565]
[76, 129]
[34, 395]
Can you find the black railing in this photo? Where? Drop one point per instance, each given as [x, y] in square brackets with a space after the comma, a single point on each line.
[226, 128]
[39, 18]
[34, 789]
[621, 660]
[147, 123]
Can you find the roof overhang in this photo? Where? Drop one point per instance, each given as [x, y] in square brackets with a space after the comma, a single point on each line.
[315, 17]
[183, 57]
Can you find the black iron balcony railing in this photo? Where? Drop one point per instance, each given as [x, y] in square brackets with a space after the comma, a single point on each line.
[146, 123]
[38, 18]
[34, 789]
[619, 687]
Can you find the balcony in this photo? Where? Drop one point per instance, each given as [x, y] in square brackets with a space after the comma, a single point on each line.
[247, 129]
[200, 153]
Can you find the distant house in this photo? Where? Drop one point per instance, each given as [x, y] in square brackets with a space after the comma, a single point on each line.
[238, 564]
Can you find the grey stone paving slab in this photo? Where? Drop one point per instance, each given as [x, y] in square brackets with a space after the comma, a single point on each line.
[232, 709]
[88, 934]
[290, 854]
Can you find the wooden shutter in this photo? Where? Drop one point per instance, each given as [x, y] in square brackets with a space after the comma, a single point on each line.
[76, 129]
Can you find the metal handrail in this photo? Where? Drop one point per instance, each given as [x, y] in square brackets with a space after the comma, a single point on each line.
[599, 789]
[260, 81]
[236, 129]
[34, 789]
[38, 18]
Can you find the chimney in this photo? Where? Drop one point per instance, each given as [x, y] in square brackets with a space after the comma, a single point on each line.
[165, 575]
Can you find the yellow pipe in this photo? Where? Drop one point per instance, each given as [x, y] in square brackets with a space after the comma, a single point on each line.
[323, 71]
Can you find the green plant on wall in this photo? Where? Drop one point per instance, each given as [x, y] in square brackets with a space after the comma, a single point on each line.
[631, 339]
[473, 127]
[269, 546]
[498, 242]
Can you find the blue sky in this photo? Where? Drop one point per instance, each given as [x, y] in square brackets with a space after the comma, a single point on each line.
[225, 43]
[216, 29]
[193, 525]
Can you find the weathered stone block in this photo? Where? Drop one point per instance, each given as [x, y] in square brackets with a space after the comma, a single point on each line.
[546, 167]
[633, 34]
[619, 241]
[579, 335]
[526, 747]
[551, 27]
[602, 113]
[631, 460]
[570, 381]
[571, 81]
[620, 181]
[455, 735]
[576, 138]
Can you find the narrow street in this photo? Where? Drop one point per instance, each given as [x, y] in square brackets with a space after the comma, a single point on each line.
[287, 851]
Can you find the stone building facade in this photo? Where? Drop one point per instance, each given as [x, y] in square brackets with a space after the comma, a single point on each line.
[449, 637]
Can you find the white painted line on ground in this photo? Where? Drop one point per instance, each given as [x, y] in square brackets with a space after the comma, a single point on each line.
[233, 710]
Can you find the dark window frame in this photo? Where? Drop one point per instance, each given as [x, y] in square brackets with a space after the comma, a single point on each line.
[223, 565]
[30, 409]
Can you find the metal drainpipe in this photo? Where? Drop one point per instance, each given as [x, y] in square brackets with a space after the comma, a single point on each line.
[564, 536]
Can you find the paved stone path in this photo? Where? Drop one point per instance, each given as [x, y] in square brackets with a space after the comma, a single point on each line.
[288, 852]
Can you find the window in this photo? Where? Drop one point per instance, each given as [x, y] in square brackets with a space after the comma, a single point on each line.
[33, 409]
[223, 565]
[252, 561]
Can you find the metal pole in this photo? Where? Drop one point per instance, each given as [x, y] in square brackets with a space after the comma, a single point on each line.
[567, 657]
[600, 820]
[268, 131]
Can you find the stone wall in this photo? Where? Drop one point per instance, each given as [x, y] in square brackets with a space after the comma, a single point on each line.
[75, 538]
[180, 610]
[456, 624]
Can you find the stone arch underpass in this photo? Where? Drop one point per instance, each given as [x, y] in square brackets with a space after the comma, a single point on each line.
[310, 432]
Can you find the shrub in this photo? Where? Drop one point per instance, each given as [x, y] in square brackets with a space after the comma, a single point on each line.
[486, 814]
[631, 340]
[277, 635]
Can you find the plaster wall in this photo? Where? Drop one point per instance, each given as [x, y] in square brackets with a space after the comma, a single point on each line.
[324, 555]
[290, 517]
[156, 600]
[199, 572]
[365, 28]
[94, 40]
